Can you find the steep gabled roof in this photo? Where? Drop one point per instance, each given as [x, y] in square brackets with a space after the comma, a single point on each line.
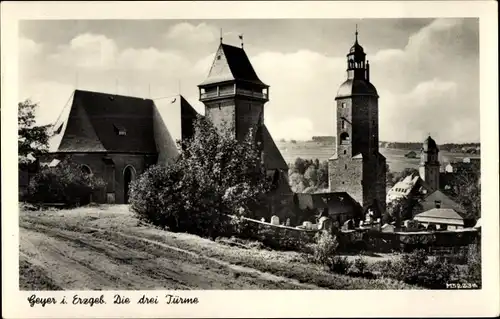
[272, 156]
[173, 120]
[101, 122]
[231, 63]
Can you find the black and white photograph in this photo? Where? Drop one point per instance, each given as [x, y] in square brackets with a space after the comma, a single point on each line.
[268, 154]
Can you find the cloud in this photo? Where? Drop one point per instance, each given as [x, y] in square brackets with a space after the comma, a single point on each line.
[50, 96]
[430, 84]
[190, 34]
[29, 48]
[87, 51]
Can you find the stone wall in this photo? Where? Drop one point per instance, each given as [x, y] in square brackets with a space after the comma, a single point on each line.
[222, 114]
[345, 175]
[248, 114]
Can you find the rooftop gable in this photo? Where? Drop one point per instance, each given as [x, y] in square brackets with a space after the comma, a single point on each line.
[231, 64]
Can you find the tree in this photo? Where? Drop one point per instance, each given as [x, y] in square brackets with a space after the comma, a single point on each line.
[403, 209]
[32, 139]
[466, 187]
[215, 176]
[66, 183]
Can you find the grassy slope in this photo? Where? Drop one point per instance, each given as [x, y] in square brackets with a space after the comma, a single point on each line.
[98, 245]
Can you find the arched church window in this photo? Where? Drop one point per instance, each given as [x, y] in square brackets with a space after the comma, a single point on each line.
[344, 138]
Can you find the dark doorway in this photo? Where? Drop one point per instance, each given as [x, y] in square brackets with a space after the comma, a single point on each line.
[86, 198]
[128, 176]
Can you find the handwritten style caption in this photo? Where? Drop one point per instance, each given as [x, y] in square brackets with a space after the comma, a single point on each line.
[117, 299]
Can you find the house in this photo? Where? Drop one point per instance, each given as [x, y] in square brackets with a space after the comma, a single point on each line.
[339, 206]
[441, 219]
[442, 212]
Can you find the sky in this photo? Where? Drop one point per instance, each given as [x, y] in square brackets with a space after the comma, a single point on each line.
[426, 71]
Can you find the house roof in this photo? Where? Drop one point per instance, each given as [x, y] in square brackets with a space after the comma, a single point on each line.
[231, 63]
[94, 122]
[440, 215]
[429, 202]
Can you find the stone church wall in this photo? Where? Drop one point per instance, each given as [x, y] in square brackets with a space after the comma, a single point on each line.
[345, 175]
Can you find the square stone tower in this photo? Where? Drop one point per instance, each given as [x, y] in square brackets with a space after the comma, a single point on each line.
[357, 166]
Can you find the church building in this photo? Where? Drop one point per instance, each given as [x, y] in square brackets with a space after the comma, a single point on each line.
[357, 167]
[118, 137]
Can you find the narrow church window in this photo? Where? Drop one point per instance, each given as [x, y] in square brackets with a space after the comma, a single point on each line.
[345, 166]
[219, 105]
[343, 124]
[218, 57]
[343, 105]
[345, 152]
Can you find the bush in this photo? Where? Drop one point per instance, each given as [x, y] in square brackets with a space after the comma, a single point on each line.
[216, 176]
[154, 194]
[416, 269]
[324, 247]
[339, 265]
[66, 183]
[361, 264]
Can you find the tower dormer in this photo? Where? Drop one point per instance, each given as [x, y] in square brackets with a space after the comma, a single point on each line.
[233, 94]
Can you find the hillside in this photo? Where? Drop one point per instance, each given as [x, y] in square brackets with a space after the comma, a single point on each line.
[99, 248]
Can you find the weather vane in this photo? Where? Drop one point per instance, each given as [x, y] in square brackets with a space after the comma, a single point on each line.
[241, 38]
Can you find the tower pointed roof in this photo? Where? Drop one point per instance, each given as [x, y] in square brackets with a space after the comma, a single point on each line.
[231, 64]
[356, 48]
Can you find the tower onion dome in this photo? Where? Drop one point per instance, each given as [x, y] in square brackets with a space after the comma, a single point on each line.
[429, 145]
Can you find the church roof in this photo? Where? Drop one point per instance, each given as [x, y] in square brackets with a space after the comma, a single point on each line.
[231, 64]
[272, 156]
[352, 87]
[102, 122]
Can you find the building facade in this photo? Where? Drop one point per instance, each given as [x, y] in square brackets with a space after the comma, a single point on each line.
[357, 166]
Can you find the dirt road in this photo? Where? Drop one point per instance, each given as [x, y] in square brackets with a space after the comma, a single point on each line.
[55, 254]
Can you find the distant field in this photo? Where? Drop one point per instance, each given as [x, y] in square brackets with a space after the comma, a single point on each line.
[395, 157]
